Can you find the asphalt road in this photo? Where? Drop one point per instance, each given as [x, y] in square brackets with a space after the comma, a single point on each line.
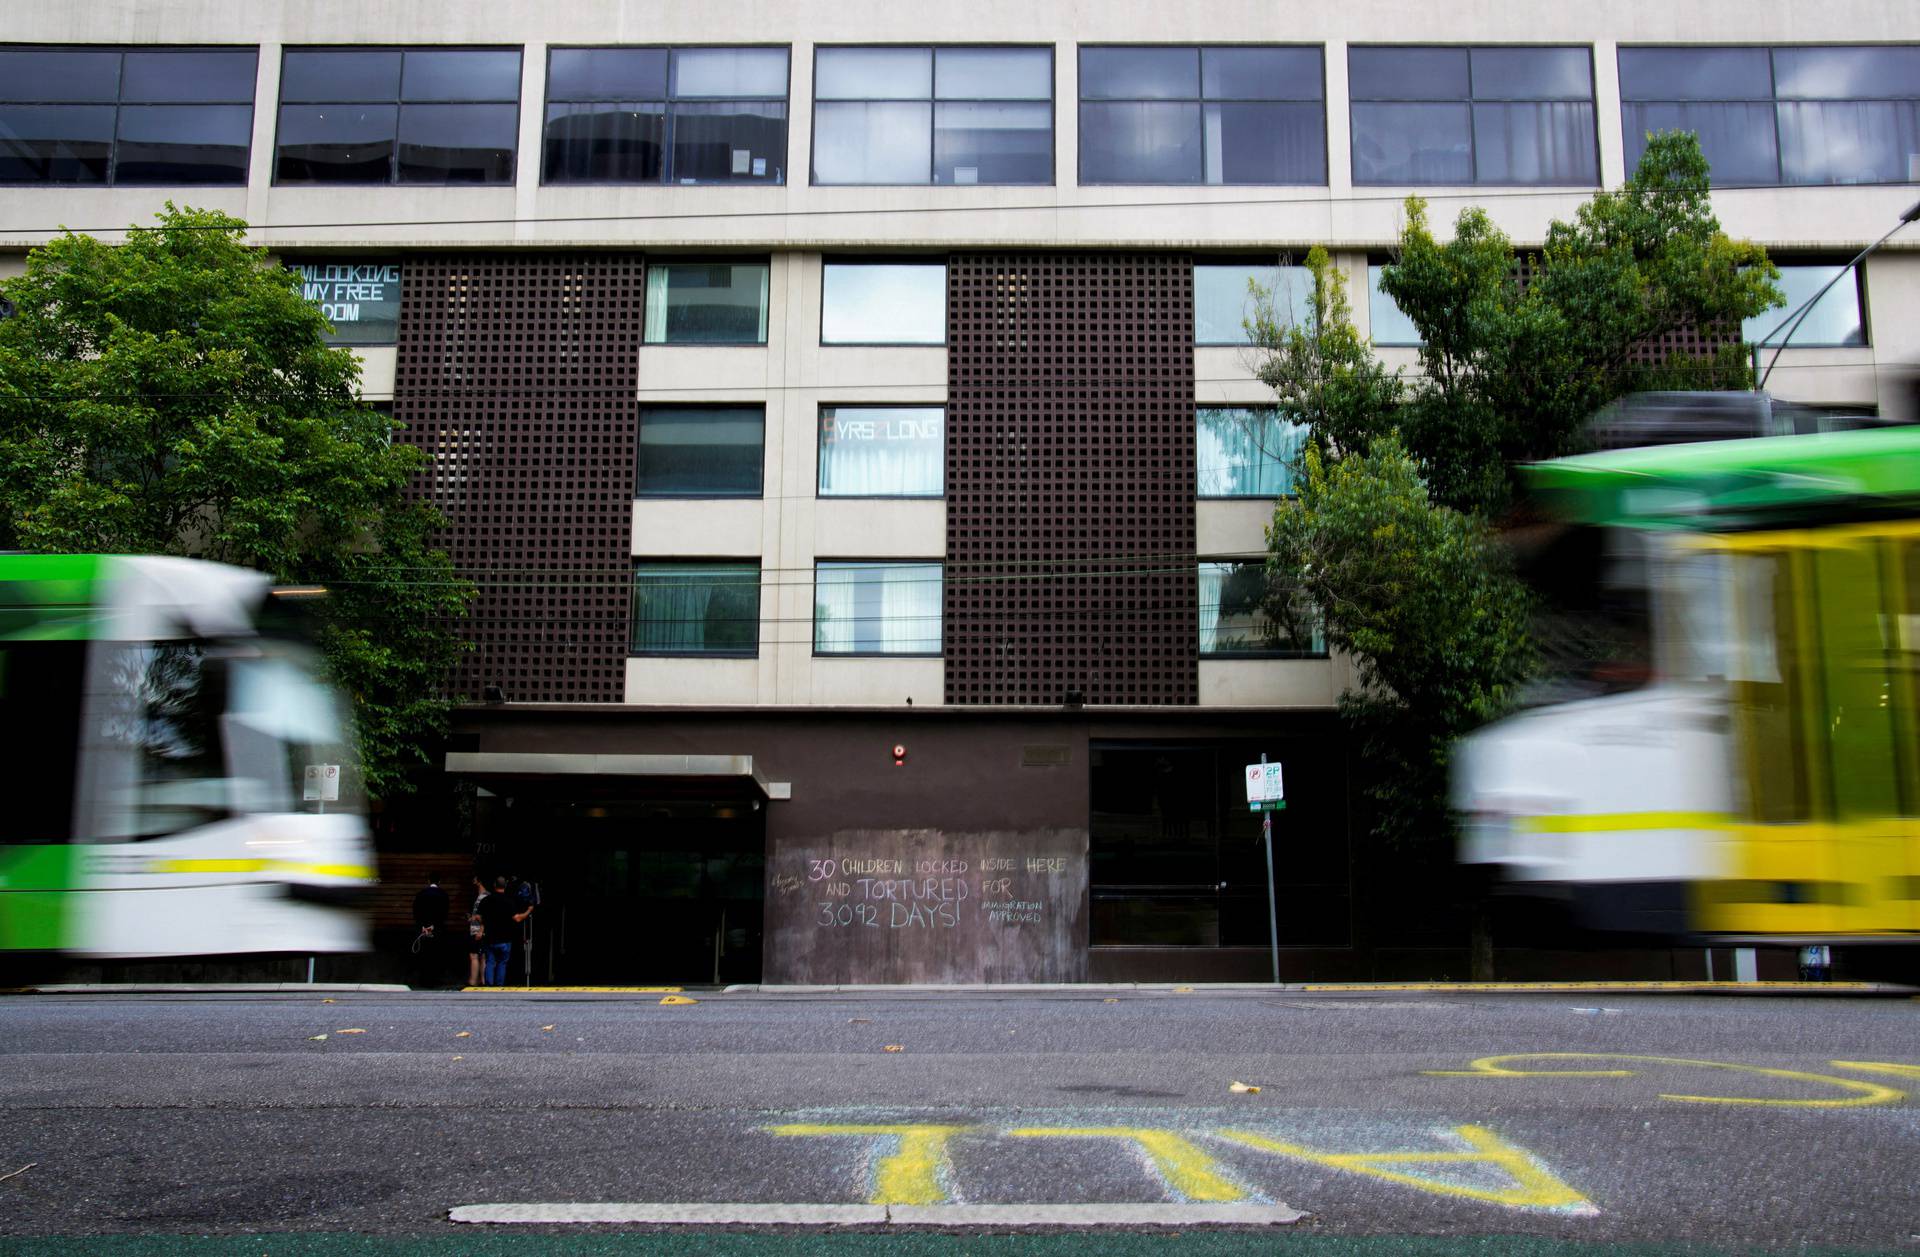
[1610, 1120]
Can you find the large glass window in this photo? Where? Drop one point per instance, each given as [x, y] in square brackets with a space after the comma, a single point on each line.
[1780, 115]
[1177, 858]
[1233, 620]
[1387, 323]
[673, 115]
[896, 115]
[1223, 298]
[1836, 319]
[1244, 452]
[1245, 114]
[1473, 116]
[882, 451]
[876, 609]
[398, 115]
[696, 608]
[706, 303]
[112, 116]
[701, 451]
[883, 303]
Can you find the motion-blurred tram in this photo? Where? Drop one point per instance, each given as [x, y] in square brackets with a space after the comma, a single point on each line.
[1746, 768]
[169, 756]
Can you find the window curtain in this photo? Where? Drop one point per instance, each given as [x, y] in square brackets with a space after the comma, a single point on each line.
[878, 609]
[1244, 453]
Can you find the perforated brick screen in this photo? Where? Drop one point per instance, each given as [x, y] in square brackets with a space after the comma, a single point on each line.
[1070, 480]
[517, 374]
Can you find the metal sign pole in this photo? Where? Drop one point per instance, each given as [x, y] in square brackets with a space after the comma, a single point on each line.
[1273, 909]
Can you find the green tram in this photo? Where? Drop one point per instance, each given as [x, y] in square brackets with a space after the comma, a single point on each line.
[1757, 776]
[172, 765]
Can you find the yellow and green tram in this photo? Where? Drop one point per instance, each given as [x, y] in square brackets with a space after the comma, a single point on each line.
[1761, 781]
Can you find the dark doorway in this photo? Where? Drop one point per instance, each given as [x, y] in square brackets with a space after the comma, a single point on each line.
[634, 892]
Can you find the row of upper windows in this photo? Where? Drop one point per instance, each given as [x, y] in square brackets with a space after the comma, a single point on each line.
[905, 303]
[866, 607]
[880, 451]
[895, 115]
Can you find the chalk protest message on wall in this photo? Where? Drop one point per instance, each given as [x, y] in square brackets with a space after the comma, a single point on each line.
[890, 906]
[361, 299]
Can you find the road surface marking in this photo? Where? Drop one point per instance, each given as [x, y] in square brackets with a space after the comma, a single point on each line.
[1860, 1094]
[908, 1175]
[1185, 1169]
[1534, 1187]
[691, 1214]
[1879, 1067]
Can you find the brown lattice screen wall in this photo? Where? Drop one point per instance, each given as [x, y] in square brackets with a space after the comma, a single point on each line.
[1070, 480]
[517, 374]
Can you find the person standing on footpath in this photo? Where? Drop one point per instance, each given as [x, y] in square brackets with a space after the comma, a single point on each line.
[497, 920]
[429, 945]
[475, 928]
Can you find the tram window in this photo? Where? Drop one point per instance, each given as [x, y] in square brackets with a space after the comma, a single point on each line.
[179, 777]
[40, 735]
[1770, 695]
[1855, 680]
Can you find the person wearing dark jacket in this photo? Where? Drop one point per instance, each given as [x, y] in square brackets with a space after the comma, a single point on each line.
[429, 944]
[497, 920]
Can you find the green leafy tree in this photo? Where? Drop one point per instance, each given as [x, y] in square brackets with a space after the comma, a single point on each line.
[1322, 371]
[1421, 599]
[1510, 371]
[174, 395]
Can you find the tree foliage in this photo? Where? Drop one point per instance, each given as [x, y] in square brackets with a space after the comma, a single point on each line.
[1387, 546]
[174, 395]
[1421, 600]
[1511, 370]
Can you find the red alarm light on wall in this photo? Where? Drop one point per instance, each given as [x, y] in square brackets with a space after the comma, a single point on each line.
[899, 755]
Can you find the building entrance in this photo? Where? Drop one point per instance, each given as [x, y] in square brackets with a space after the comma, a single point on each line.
[634, 892]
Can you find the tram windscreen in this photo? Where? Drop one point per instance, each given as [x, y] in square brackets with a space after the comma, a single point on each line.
[40, 688]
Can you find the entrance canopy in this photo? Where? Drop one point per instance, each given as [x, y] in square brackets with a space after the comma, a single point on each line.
[736, 771]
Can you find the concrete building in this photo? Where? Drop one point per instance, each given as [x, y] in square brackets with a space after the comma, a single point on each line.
[842, 411]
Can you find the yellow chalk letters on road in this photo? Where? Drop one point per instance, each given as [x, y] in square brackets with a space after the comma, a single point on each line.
[1532, 1187]
[1182, 1166]
[1858, 1094]
[907, 1175]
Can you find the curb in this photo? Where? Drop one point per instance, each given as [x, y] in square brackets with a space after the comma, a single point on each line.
[205, 988]
[1350, 988]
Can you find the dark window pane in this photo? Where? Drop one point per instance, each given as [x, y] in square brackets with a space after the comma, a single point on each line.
[1868, 141]
[992, 143]
[605, 143]
[730, 142]
[189, 76]
[39, 74]
[352, 74]
[721, 72]
[1124, 142]
[1407, 73]
[696, 608]
[993, 73]
[1695, 74]
[701, 452]
[1550, 142]
[336, 143]
[1155, 920]
[1261, 74]
[1736, 139]
[1846, 73]
[1412, 144]
[1532, 74]
[466, 74]
[1154, 823]
[873, 74]
[1233, 619]
[607, 74]
[183, 144]
[457, 143]
[55, 143]
[1139, 73]
[1258, 143]
[706, 303]
[885, 142]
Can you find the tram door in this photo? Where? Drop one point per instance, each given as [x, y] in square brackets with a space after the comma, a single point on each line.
[646, 893]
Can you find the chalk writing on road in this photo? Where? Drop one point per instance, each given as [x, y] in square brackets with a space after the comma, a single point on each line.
[1854, 1093]
[912, 1164]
